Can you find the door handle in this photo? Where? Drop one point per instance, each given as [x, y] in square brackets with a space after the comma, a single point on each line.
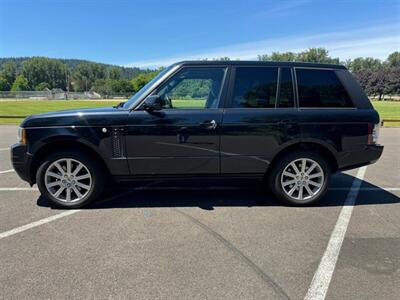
[209, 124]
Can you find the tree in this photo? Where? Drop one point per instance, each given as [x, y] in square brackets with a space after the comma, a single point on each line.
[9, 73]
[4, 86]
[86, 74]
[41, 69]
[114, 73]
[41, 86]
[364, 63]
[139, 81]
[20, 84]
[278, 56]
[317, 55]
[393, 59]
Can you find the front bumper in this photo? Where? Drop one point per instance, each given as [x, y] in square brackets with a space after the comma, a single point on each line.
[21, 161]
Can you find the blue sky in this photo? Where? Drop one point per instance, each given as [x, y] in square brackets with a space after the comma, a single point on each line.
[153, 33]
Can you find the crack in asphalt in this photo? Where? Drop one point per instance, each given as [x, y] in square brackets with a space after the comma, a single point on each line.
[267, 279]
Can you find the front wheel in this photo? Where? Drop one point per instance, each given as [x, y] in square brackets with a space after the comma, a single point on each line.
[300, 178]
[70, 179]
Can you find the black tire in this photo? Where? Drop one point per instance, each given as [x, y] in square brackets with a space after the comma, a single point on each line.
[96, 171]
[275, 175]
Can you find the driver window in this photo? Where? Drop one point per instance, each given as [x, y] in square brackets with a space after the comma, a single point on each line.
[193, 88]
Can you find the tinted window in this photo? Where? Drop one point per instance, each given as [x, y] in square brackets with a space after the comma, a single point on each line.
[286, 98]
[255, 87]
[321, 88]
[193, 88]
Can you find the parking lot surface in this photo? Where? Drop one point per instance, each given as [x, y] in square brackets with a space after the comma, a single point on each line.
[197, 243]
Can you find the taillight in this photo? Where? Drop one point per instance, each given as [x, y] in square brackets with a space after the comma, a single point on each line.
[373, 133]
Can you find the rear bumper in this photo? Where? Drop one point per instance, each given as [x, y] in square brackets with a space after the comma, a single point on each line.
[21, 161]
[367, 156]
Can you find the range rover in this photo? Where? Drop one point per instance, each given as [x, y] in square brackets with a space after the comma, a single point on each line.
[288, 124]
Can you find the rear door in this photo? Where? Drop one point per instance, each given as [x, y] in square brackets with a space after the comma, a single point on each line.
[260, 116]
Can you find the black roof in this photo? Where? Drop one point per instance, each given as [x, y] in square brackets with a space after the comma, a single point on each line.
[260, 63]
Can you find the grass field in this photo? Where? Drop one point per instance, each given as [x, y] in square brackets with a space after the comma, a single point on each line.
[386, 109]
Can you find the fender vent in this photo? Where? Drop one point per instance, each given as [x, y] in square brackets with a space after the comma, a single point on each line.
[117, 143]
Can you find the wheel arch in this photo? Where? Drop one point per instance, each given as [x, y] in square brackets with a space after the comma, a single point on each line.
[63, 145]
[325, 151]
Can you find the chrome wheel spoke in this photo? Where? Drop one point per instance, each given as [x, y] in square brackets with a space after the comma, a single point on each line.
[300, 192]
[84, 186]
[59, 168]
[309, 191]
[315, 175]
[52, 174]
[78, 168]
[53, 184]
[85, 176]
[289, 174]
[315, 183]
[296, 170]
[58, 193]
[68, 196]
[289, 182]
[77, 192]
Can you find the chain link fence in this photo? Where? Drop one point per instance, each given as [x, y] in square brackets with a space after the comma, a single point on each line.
[56, 95]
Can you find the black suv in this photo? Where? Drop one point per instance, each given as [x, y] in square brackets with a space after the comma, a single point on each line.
[291, 124]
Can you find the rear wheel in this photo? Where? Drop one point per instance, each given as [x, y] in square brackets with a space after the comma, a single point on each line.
[70, 179]
[300, 178]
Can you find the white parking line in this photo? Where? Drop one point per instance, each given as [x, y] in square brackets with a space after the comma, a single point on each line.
[366, 189]
[4, 149]
[50, 219]
[323, 276]
[7, 171]
[37, 223]
[18, 189]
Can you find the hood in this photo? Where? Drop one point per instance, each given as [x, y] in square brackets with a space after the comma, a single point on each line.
[78, 117]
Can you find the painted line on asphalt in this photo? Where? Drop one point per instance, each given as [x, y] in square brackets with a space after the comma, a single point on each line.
[7, 171]
[37, 223]
[323, 276]
[48, 219]
[4, 149]
[12, 189]
[366, 189]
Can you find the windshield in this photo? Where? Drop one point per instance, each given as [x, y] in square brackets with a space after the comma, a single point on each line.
[138, 95]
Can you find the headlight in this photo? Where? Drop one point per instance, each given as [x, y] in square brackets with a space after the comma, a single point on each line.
[22, 135]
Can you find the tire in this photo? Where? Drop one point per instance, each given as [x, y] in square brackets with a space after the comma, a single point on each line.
[291, 186]
[83, 187]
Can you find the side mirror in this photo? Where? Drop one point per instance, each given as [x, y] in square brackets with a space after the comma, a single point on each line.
[152, 102]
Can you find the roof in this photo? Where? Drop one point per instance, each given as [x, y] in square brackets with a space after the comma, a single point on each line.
[260, 63]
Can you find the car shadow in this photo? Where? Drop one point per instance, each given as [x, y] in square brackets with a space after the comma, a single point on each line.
[243, 194]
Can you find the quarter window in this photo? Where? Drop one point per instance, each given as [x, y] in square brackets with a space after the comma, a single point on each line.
[193, 88]
[255, 87]
[321, 88]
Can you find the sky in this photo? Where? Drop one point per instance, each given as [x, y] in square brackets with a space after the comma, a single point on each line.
[157, 33]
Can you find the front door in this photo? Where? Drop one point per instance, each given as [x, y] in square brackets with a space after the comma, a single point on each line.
[182, 137]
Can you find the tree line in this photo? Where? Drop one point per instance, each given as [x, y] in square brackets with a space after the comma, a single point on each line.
[40, 73]
[377, 77]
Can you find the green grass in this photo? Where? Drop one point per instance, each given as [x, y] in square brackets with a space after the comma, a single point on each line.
[386, 109]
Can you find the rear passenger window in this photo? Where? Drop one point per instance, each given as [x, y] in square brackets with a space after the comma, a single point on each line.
[286, 98]
[321, 88]
[255, 87]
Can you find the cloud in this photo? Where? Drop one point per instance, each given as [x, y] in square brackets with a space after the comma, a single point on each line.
[377, 41]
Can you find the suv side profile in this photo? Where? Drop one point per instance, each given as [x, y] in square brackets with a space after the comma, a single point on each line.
[290, 124]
